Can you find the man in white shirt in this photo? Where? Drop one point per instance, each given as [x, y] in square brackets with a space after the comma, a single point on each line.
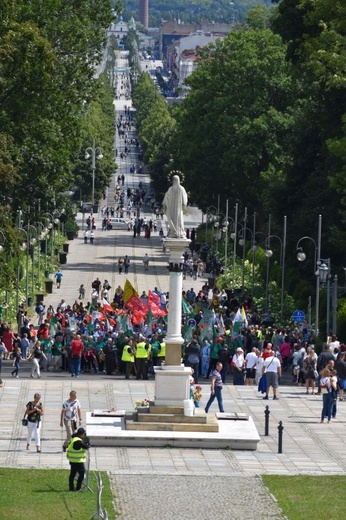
[272, 369]
[70, 413]
[333, 344]
[250, 363]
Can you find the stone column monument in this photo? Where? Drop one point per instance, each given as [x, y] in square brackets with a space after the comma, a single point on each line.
[172, 384]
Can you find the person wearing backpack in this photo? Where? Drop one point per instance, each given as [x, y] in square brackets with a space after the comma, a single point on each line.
[39, 309]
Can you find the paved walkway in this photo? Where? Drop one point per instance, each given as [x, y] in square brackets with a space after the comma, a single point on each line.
[308, 446]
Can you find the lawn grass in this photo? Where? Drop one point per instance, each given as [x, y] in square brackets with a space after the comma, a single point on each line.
[301, 496]
[32, 494]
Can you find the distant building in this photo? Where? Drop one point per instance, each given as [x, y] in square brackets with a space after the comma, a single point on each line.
[182, 54]
[144, 12]
[119, 28]
[171, 31]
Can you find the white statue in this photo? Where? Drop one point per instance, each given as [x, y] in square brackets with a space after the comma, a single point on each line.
[174, 202]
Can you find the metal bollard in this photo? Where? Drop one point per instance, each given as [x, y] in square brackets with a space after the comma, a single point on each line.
[281, 429]
[266, 427]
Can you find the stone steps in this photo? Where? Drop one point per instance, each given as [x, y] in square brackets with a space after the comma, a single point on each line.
[210, 426]
[166, 409]
[172, 418]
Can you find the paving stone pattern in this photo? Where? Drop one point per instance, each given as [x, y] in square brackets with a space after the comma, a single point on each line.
[206, 497]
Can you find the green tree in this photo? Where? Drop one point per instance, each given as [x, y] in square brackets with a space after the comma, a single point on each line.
[156, 127]
[47, 54]
[315, 33]
[232, 126]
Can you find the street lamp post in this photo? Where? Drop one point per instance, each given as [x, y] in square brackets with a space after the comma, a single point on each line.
[334, 302]
[269, 254]
[254, 247]
[235, 243]
[43, 231]
[93, 150]
[267, 244]
[2, 242]
[31, 242]
[210, 212]
[54, 220]
[323, 273]
[301, 256]
[243, 244]
[225, 229]
[23, 247]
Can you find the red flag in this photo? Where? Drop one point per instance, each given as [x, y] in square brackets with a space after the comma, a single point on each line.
[137, 317]
[106, 306]
[156, 311]
[154, 298]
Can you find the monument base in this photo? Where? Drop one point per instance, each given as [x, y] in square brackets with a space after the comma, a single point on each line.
[172, 385]
[236, 434]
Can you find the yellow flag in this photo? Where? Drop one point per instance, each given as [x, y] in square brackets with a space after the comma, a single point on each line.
[129, 291]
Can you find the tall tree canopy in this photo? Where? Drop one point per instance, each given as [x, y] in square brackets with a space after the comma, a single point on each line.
[232, 125]
[48, 50]
[315, 32]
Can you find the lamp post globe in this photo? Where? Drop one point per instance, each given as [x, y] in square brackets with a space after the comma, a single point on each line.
[268, 253]
[301, 256]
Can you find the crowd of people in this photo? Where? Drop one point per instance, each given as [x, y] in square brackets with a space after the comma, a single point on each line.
[90, 339]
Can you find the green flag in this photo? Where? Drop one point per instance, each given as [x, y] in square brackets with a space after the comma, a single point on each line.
[149, 317]
[186, 307]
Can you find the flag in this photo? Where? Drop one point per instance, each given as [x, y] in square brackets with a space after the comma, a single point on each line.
[132, 300]
[96, 315]
[237, 322]
[186, 307]
[187, 334]
[149, 317]
[244, 318]
[72, 323]
[221, 326]
[129, 328]
[137, 317]
[106, 306]
[154, 298]
[121, 322]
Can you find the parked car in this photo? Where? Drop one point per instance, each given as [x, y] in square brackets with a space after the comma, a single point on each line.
[118, 223]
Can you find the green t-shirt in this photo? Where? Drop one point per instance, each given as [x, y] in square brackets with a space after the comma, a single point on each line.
[155, 348]
[99, 346]
[214, 350]
[46, 346]
[57, 349]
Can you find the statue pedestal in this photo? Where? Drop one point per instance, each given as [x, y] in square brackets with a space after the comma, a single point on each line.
[172, 385]
[172, 382]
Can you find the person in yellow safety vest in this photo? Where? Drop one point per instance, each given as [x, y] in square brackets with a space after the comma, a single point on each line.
[77, 457]
[162, 352]
[142, 358]
[128, 357]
